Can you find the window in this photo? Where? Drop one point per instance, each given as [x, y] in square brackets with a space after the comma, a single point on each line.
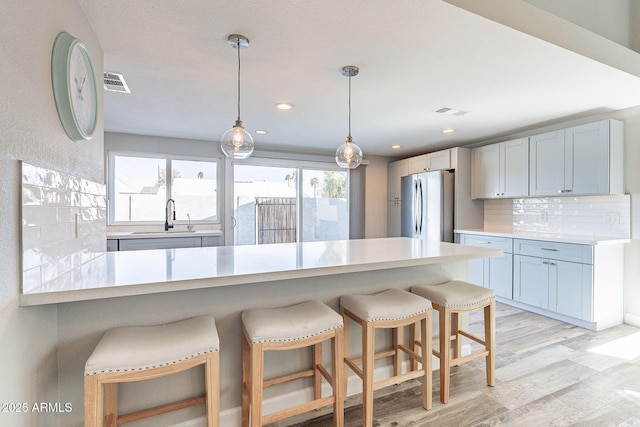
[141, 186]
[288, 204]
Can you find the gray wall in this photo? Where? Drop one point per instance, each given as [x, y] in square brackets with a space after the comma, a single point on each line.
[30, 130]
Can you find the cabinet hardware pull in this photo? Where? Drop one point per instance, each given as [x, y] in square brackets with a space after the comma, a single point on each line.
[552, 263]
[549, 249]
[545, 262]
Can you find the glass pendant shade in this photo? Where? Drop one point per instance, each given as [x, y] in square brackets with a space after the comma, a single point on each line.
[349, 155]
[237, 143]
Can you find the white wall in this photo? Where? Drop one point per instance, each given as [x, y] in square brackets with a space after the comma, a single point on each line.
[30, 131]
[609, 18]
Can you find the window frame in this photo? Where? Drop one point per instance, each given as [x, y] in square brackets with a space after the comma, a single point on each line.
[310, 162]
[169, 158]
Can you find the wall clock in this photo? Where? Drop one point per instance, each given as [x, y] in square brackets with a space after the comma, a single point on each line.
[74, 87]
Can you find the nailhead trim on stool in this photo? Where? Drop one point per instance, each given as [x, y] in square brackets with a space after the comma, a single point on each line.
[130, 354]
[307, 324]
[450, 300]
[390, 309]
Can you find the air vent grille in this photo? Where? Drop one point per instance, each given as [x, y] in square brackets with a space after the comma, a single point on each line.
[451, 111]
[114, 82]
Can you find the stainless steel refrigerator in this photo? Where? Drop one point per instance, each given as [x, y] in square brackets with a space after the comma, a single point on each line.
[427, 206]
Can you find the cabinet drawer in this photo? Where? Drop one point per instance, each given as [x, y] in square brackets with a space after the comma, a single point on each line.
[554, 250]
[503, 243]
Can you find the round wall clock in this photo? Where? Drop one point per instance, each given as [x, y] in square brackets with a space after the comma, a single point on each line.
[74, 87]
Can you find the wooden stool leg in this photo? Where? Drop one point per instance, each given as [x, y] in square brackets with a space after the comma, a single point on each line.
[93, 402]
[398, 339]
[413, 364]
[317, 376]
[445, 352]
[212, 383]
[368, 347]
[490, 341]
[246, 377]
[426, 350]
[455, 333]
[110, 404]
[257, 377]
[345, 353]
[337, 360]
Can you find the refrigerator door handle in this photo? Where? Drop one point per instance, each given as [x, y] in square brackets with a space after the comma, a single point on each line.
[421, 204]
[415, 208]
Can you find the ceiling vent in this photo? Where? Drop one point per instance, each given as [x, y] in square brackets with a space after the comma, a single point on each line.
[451, 111]
[114, 82]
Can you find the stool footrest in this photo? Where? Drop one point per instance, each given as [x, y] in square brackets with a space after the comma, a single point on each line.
[289, 377]
[460, 360]
[472, 337]
[304, 407]
[162, 409]
[398, 379]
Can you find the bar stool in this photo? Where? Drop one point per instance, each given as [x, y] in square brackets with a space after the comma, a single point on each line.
[298, 326]
[395, 309]
[450, 300]
[130, 354]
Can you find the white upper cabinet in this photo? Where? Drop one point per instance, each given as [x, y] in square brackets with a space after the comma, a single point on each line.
[440, 160]
[501, 170]
[586, 159]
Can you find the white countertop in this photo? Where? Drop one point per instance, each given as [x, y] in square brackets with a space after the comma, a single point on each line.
[548, 237]
[116, 274]
[160, 234]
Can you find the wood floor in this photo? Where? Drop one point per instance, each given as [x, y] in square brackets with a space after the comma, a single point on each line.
[548, 373]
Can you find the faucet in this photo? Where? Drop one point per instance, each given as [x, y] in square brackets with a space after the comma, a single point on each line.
[189, 227]
[167, 216]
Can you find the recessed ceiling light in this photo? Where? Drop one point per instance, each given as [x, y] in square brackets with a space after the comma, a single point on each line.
[448, 130]
[284, 106]
[262, 132]
[395, 146]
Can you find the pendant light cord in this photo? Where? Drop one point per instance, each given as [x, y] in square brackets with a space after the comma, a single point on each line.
[238, 48]
[349, 103]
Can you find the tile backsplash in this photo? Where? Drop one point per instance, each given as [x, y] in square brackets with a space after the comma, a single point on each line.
[63, 224]
[608, 215]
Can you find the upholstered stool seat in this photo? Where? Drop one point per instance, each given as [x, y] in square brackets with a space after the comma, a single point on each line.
[130, 354]
[394, 309]
[450, 300]
[302, 325]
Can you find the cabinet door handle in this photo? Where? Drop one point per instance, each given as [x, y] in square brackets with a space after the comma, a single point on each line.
[549, 249]
[552, 263]
[545, 262]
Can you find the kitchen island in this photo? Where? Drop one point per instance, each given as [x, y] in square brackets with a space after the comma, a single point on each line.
[160, 286]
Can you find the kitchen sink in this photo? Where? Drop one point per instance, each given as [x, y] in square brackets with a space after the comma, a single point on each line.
[164, 232]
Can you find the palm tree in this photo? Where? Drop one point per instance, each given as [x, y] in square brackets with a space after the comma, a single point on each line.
[314, 183]
[289, 178]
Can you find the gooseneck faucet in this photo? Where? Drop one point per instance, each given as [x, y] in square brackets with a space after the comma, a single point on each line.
[168, 216]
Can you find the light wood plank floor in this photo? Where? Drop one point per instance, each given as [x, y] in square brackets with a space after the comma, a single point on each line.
[548, 373]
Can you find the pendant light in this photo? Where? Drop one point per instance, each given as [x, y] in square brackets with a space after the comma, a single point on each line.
[237, 143]
[349, 155]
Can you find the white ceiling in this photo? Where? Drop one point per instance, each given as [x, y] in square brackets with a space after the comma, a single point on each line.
[415, 56]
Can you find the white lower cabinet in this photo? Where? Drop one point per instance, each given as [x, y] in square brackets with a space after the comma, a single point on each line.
[494, 273]
[559, 286]
[581, 284]
[163, 243]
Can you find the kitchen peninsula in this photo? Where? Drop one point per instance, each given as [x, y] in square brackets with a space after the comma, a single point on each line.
[161, 286]
[118, 274]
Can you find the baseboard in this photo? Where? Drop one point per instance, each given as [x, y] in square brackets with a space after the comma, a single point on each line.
[632, 319]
